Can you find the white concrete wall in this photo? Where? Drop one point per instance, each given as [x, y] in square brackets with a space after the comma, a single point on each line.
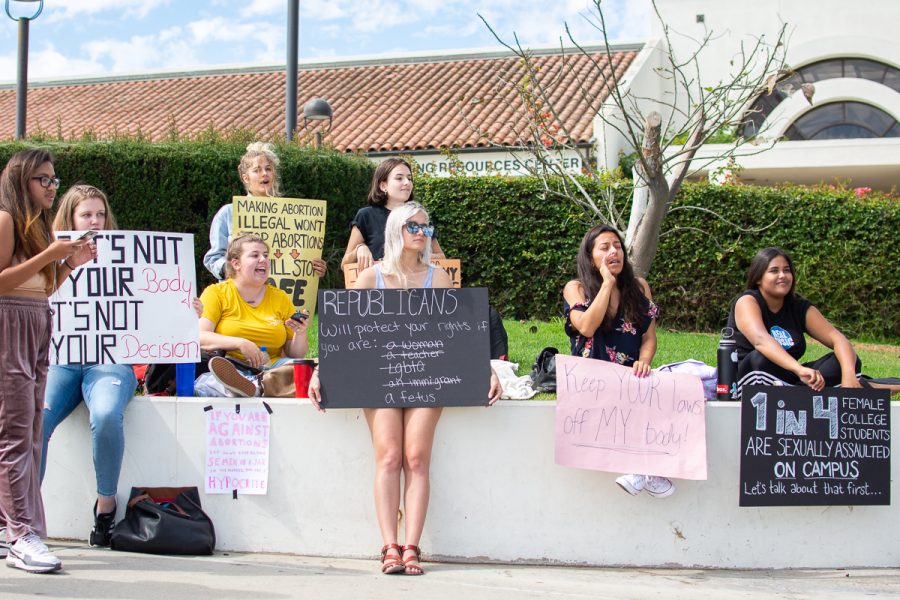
[496, 494]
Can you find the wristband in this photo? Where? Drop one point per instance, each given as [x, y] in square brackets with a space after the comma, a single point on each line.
[66, 262]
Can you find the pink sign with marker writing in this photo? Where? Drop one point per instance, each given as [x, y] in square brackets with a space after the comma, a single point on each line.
[609, 420]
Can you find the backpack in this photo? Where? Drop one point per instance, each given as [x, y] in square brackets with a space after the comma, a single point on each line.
[543, 373]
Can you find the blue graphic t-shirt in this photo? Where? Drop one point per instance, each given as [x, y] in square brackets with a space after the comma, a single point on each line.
[787, 326]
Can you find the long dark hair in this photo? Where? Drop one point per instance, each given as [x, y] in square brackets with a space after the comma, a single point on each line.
[32, 228]
[760, 264]
[630, 292]
[377, 196]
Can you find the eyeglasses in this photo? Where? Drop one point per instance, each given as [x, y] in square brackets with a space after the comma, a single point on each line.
[413, 228]
[46, 182]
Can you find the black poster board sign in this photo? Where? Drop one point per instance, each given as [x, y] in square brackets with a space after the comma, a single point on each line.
[404, 348]
[805, 448]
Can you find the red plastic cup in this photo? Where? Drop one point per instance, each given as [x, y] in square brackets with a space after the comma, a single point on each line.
[303, 371]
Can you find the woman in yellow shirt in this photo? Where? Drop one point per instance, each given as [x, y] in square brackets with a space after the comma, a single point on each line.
[242, 315]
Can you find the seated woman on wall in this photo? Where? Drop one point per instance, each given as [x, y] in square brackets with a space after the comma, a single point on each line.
[247, 318]
[258, 171]
[610, 315]
[392, 186]
[105, 390]
[770, 320]
[403, 437]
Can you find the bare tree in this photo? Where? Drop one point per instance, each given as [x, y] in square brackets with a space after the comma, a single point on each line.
[666, 131]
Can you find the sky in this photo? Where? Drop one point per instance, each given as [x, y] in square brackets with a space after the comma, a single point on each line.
[88, 38]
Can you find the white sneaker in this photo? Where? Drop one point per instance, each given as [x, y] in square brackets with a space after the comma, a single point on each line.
[633, 484]
[30, 554]
[659, 487]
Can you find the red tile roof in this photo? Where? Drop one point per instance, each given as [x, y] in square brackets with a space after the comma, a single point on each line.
[379, 105]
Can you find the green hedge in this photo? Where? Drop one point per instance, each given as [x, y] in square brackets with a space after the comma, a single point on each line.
[521, 243]
[180, 186]
[522, 246]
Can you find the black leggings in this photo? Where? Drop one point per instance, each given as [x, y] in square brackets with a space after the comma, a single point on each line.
[828, 366]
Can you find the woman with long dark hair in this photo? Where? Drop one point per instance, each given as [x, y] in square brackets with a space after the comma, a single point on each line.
[769, 321]
[610, 315]
[32, 265]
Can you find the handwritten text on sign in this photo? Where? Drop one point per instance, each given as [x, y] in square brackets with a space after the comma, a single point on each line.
[237, 450]
[294, 229]
[404, 348]
[804, 448]
[609, 420]
[130, 305]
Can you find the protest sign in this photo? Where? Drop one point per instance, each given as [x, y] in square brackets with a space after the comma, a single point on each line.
[609, 420]
[237, 450]
[450, 265]
[130, 305]
[294, 229]
[800, 447]
[404, 348]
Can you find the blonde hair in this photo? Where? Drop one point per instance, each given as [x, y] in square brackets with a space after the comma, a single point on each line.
[255, 151]
[75, 195]
[236, 248]
[393, 240]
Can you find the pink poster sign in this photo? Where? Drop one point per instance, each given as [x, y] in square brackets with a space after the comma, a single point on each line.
[609, 420]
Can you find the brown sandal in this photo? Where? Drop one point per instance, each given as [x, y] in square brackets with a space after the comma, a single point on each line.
[411, 565]
[393, 565]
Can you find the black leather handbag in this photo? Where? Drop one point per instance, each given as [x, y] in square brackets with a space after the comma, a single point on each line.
[164, 521]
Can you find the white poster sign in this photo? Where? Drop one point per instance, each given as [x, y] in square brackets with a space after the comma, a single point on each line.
[132, 304]
[237, 451]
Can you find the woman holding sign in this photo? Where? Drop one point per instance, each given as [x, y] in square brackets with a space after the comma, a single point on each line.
[258, 171]
[252, 321]
[105, 390]
[770, 320]
[611, 316]
[392, 186]
[403, 437]
[32, 265]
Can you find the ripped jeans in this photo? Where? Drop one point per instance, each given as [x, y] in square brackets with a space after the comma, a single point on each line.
[106, 391]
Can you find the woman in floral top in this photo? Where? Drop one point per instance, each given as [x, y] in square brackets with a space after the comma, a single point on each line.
[610, 315]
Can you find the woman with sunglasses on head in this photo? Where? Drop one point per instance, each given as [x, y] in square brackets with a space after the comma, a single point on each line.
[769, 322]
[258, 170]
[403, 437]
[611, 316]
[105, 389]
[392, 186]
[247, 318]
[32, 265]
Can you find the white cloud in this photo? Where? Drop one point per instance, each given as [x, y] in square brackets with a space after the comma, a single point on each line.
[48, 63]
[72, 9]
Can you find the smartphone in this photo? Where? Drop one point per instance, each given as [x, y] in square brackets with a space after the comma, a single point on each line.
[299, 316]
[88, 235]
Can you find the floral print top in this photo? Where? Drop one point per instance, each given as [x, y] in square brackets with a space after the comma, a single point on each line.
[621, 345]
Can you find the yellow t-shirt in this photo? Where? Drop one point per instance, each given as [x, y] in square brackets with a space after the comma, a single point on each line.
[263, 325]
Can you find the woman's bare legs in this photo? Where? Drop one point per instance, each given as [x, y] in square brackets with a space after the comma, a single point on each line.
[386, 427]
[419, 425]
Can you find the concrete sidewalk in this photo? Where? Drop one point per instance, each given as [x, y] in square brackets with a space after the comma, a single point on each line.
[102, 574]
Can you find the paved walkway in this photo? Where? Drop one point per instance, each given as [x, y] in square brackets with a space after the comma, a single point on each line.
[104, 574]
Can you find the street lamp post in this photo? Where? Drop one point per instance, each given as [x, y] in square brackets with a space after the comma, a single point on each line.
[317, 109]
[290, 89]
[22, 70]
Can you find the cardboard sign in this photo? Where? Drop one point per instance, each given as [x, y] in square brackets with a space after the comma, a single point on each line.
[294, 229]
[237, 450]
[450, 265]
[132, 304]
[805, 448]
[404, 348]
[609, 420]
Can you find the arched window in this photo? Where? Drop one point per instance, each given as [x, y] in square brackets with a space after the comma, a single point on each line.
[832, 68]
[843, 120]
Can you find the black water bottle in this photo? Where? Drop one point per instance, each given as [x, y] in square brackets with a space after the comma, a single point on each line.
[726, 361]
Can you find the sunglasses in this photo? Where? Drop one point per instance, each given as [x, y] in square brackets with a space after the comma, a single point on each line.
[413, 228]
